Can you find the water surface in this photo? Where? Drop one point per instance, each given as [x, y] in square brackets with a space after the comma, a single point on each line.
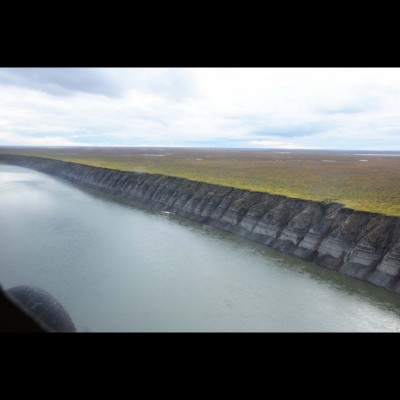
[118, 267]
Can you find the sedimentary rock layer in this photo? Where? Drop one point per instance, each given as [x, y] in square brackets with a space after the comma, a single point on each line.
[359, 244]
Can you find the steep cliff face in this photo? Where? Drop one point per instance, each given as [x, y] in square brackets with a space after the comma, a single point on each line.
[359, 244]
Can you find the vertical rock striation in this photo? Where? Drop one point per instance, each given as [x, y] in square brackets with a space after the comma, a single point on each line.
[359, 244]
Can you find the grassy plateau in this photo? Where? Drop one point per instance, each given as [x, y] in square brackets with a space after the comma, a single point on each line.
[361, 180]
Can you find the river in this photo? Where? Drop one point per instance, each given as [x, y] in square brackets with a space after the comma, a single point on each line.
[120, 267]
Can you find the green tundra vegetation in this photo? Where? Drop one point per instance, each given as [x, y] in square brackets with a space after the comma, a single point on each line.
[357, 179]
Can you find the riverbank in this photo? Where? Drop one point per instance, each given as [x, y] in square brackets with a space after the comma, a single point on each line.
[363, 181]
[359, 244]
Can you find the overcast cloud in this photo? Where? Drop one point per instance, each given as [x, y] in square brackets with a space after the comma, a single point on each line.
[277, 108]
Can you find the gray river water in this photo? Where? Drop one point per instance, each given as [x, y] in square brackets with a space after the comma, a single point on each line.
[118, 267]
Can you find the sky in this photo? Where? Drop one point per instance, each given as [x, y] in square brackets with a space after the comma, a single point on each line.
[285, 108]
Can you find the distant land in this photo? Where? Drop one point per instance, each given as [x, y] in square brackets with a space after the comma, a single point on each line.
[362, 180]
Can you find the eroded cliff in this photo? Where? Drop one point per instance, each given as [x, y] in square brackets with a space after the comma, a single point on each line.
[359, 244]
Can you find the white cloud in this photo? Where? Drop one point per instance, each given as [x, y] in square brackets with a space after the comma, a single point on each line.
[285, 108]
[273, 144]
[12, 139]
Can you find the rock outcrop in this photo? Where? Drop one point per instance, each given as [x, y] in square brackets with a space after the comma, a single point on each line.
[359, 244]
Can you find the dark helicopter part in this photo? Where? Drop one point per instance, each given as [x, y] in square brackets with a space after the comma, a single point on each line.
[30, 309]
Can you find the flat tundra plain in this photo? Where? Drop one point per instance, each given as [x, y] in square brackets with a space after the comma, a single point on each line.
[361, 180]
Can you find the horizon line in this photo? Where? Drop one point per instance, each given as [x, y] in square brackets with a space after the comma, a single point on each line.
[195, 147]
